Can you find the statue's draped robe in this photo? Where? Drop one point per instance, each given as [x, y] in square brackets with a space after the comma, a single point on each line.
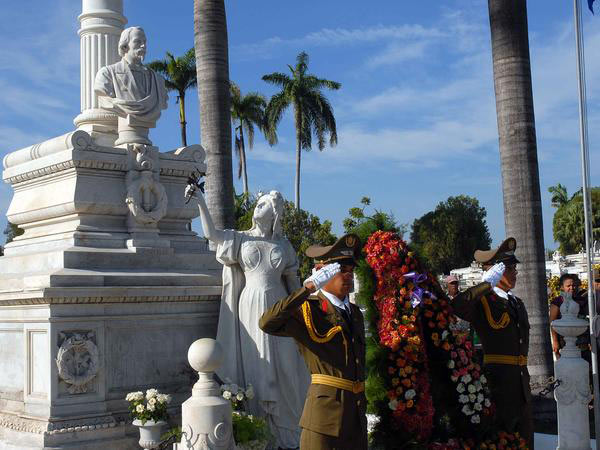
[131, 90]
[254, 270]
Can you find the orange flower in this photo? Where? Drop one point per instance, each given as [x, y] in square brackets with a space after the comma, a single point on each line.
[406, 382]
[409, 404]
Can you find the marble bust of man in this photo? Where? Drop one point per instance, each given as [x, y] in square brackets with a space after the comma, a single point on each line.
[127, 87]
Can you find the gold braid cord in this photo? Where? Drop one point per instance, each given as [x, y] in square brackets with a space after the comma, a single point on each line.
[504, 319]
[315, 335]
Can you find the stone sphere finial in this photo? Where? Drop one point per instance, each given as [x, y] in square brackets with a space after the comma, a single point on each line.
[205, 355]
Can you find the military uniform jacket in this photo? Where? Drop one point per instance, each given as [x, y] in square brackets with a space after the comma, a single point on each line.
[327, 410]
[503, 328]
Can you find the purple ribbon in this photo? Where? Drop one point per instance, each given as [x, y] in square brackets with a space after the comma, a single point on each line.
[417, 293]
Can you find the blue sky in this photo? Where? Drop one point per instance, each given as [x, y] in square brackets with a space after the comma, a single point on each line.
[416, 113]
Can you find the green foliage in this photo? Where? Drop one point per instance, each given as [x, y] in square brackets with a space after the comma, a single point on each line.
[179, 73]
[12, 231]
[300, 227]
[559, 195]
[171, 437]
[364, 226]
[447, 237]
[247, 428]
[568, 222]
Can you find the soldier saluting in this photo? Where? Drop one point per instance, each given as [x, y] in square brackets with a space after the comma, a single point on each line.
[330, 334]
[501, 322]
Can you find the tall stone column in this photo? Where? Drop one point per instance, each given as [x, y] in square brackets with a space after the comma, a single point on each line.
[102, 22]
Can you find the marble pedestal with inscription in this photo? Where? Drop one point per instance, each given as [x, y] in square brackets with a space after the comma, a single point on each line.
[103, 293]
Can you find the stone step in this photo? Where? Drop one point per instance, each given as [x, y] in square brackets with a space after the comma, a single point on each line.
[90, 278]
[108, 259]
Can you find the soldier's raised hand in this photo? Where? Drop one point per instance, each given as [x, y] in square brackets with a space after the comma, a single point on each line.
[323, 275]
[494, 274]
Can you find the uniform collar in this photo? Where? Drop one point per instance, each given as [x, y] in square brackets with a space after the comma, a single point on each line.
[501, 293]
[342, 304]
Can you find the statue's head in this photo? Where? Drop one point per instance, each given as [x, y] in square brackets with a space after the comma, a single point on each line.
[132, 44]
[269, 210]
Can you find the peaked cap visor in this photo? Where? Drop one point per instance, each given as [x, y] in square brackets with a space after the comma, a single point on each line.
[504, 253]
[344, 250]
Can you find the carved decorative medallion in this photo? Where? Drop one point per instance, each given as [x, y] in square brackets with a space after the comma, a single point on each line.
[77, 360]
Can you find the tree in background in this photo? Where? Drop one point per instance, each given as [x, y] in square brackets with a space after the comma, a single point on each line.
[559, 195]
[212, 65]
[447, 237]
[248, 111]
[312, 111]
[520, 177]
[300, 227]
[180, 75]
[568, 222]
[11, 231]
[362, 225]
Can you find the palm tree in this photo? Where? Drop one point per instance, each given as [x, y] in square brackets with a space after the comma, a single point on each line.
[180, 75]
[559, 195]
[312, 111]
[520, 173]
[212, 64]
[249, 111]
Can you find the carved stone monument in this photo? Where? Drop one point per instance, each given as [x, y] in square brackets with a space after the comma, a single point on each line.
[108, 286]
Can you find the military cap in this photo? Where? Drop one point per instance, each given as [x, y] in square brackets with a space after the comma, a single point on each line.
[344, 250]
[504, 253]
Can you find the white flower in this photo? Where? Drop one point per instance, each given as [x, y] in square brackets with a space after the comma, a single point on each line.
[463, 398]
[250, 416]
[460, 388]
[454, 379]
[134, 396]
[477, 407]
[466, 378]
[152, 401]
[410, 394]
[483, 379]
[393, 404]
[472, 389]
[226, 395]
[444, 334]
[151, 407]
[478, 385]
[475, 418]
[451, 364]
[479, 398]
[472, 397]
[234, 388]
[151, 393]
[140, 408]
[487, 403]
[240, 396]
[467, 410]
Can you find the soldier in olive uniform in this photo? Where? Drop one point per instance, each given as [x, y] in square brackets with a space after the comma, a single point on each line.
[330, 334]
[501, 322]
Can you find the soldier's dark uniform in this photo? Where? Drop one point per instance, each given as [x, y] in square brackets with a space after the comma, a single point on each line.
[503, 328]
[333, 348]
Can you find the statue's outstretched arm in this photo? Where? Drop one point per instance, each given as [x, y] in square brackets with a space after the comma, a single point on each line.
[210, 232]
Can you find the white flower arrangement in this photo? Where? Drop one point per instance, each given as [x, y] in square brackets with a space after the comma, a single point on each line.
[410, 394]
[149, 406]
[237, 395]
[475, 418]
[460, 388]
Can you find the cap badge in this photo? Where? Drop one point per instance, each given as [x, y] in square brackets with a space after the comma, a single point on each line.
[350, 241]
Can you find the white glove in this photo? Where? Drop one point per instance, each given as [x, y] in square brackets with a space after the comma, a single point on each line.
[323, 275]
[494, 274]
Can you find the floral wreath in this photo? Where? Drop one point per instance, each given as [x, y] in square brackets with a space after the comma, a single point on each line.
[425, 382]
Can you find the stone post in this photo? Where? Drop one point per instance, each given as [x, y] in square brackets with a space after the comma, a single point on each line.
[206, 415]
[102, 22]
[573, 393]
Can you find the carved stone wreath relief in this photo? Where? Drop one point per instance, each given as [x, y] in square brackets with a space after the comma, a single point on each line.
[78, 361]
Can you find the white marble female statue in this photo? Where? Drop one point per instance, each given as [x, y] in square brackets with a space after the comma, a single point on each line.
[259, 268]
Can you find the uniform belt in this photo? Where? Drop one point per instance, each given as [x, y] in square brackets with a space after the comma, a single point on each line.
[505, 359]
[340, 383]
